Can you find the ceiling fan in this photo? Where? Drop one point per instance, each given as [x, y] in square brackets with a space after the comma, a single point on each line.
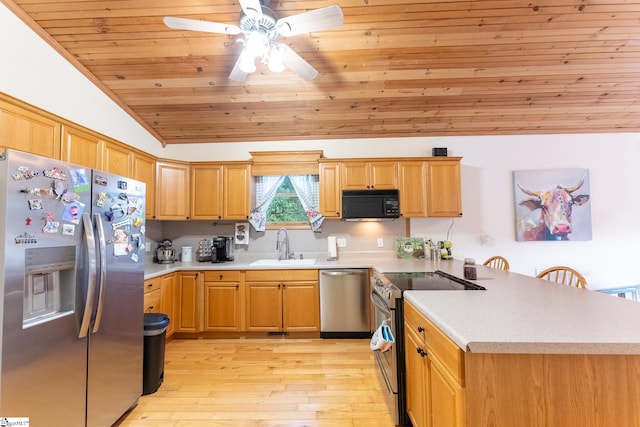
[261, 28]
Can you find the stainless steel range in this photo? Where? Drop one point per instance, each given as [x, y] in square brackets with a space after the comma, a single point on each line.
[387, 305]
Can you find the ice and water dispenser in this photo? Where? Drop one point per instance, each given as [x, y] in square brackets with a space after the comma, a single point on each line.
[49, 287]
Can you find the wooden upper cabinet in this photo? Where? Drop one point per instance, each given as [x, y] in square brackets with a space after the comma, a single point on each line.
[330, 190]
[172, 190]
[444, 187]
[237, 191]
[362, 175]
[28, 131]
[117, 159]
[81, 147]
[413, 188]
[144, 170]
[206, 191]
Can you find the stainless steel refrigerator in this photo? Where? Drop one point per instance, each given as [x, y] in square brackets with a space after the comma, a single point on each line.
[72, 272]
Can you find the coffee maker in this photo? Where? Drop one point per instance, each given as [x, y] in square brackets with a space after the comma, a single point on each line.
[223, 249]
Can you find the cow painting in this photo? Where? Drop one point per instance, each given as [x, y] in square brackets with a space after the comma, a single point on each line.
[547, 214]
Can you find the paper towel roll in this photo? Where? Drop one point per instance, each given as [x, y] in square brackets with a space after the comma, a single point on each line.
[332, 247]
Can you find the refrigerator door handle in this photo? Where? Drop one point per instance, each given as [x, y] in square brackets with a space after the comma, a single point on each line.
[91, 280]
[102, 245]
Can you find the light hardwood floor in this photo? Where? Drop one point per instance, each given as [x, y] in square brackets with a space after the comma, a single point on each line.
[265, 383]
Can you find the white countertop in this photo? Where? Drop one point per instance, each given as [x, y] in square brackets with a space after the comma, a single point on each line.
[516, 314]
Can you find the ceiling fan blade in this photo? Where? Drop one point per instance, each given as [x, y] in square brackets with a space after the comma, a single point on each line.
[236, 73]
[308, 22]
[294, 62]
[251, 8]
[197, 25]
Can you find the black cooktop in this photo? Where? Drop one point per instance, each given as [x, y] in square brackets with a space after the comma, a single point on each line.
[430, 281]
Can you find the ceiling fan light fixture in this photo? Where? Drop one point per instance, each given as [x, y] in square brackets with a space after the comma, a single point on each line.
[276, 61]
[247, 62]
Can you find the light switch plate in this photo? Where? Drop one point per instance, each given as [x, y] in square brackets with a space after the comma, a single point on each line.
[380, 242]
[342, 243]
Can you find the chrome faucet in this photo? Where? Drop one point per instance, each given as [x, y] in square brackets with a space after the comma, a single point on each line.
[284, 243]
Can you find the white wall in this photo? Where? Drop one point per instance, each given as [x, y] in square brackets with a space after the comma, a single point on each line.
[33, 72]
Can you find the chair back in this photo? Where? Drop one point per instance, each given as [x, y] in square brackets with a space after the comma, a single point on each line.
[497, 262]
[564, 275]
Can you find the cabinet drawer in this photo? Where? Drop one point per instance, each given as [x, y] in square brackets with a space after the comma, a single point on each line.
[415, 321]
[280, 275]
[152, 301]
[222, 276]
[151, 285]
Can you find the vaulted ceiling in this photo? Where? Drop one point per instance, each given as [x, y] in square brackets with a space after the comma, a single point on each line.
[394, 69]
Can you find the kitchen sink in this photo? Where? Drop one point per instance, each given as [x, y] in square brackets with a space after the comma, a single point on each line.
[277, 262]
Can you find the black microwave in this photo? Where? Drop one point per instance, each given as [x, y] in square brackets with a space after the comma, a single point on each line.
[370, 204]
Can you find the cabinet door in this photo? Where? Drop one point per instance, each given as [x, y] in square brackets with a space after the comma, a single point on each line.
[116, 159]
[444, 188]
[264, 306]
[24, 130]
[223, 301]
[417, 379]
[355, 175]
[144, 170]
[330, 190]
[413, 189]
[237, 192]
[187, 299]
[81, 148]
[206, 192]
[447, 397]
[383, 175]
[172, 191]
[167, 300]
[301, 307]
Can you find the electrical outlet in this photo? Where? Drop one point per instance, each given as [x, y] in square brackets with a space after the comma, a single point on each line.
[342, 243]
[380, 242]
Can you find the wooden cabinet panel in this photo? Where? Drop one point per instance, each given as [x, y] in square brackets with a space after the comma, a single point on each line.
[117, 159]
[282, 300]
[223, 301]
[264, 306]
[28, 131]
[152, 302]
[172, 191]
[81, 147]
[188, 302]
[167, 300]
[301, 306]
[206, 191]
[413, 188]
[330, 190]
[416, 383]
[362, 175]
[447, 404]
[144, 170]
[444, 188]
[237, 191]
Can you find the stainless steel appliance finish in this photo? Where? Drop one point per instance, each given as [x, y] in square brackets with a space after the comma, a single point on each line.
[71, 291]
[344, 303]
[165, 253]
[387, 305]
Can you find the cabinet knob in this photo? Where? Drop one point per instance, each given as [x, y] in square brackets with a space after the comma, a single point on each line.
[420, 329]
[421, 352]
[150, 285]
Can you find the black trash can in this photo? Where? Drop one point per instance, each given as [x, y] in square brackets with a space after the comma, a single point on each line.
[155, 333]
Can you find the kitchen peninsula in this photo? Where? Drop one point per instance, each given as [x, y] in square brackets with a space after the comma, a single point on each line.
[527, 352]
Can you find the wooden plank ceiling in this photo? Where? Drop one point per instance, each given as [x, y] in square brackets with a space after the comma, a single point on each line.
[394, 69]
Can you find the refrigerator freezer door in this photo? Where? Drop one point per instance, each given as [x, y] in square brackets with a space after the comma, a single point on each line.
[116, 338]
[43, 374]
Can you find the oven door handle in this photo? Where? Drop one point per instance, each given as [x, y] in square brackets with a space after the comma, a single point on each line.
[379, 303]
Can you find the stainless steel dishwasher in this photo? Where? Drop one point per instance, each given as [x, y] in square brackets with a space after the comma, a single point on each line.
[344, 303]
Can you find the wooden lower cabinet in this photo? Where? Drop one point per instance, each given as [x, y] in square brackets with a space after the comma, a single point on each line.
[152, 296]
[435, 374]
[167, 300]
[282, 301]
[223, 301]
[188, 299]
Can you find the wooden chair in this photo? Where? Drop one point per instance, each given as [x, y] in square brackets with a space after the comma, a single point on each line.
[564, 275]
[498, 262]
